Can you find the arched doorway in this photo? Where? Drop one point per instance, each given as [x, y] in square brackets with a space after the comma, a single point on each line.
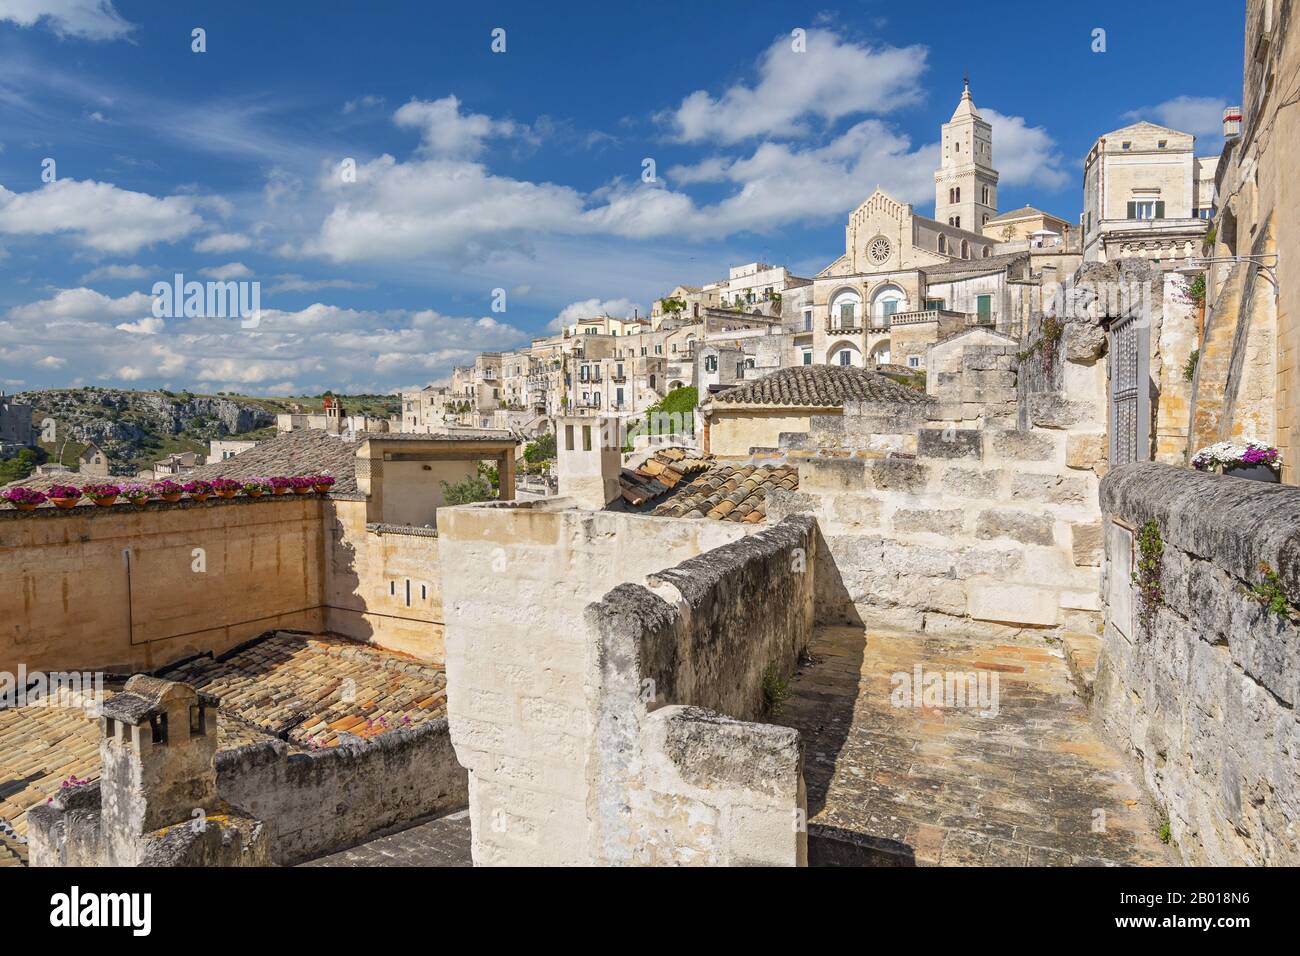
[846, 309]
[880, 353]
[844, 353]
[888, 300]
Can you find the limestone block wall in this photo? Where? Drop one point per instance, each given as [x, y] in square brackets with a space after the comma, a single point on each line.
[324, 800]
[1204, 696]
[381, 582]
[516, 580]
[985, 531]
[685, 785]
[127, 590]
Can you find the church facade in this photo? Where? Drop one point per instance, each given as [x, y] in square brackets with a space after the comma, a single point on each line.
[877, 292]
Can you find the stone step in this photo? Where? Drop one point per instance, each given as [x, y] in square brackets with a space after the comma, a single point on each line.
[1082, 651]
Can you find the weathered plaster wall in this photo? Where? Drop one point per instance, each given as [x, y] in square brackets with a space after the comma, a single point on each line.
[518, 658]
[687, 785]
[332, 798]
[732, 432]
[1205, 697]
[70, 598]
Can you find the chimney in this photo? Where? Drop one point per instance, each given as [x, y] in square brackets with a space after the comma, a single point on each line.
[588, 459]
[1232, 122]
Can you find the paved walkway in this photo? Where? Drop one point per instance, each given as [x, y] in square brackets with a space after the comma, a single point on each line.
[899, 785]
[440, 842]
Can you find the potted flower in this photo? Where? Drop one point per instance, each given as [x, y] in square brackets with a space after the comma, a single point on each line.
[256, 487]
[24, 499]
[301, 484]
[281, 486]
[102, 493]
[198, 489]
[226, 487]
[323, 482]
[136, 494]
[64, 496]
[1252, 460]
[168, 490]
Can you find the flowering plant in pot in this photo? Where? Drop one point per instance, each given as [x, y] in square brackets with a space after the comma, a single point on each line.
[256, 487]
[136, 494]
[24, 499]
[168, 490]
[301, 484]
[198, 489]
[1251, 459]
[322, 482]
[280, 485]
[101, 493]
[64, 496]
[226, 487]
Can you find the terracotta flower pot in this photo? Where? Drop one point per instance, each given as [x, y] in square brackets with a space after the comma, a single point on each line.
[199, 495]
[24, 505]
[255, 493]
[138, 502]
[302, 491]
[227, 492]
[280, 491]
[105, 501]
[322, 489]
[65, 502]
[172, 496]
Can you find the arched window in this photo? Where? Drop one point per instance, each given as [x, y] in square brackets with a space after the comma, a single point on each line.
[943, 244]
[888, 301]
[965, 249]
[846, 309]
[958, 191]
[986, 252]
[984, 195]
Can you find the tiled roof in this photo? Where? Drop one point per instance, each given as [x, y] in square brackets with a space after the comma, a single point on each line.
[820, 386]
[989, 264]
[1021, 213]
[304, 690]
[730, 493]
[660, 473]
[305, 451]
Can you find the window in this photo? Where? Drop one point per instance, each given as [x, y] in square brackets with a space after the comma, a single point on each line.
[943, 245]
[933, 305]
[807, 320]
[889, 307]
[984, 308]
[965, 249]
[659, 350]
[586, 438]
[807, 356]
[618, 397]
[1126, 146]
[984, 198]
[958, 191]
[1162, 144]
[985, 253]
[846, 357]
[913, 361]
[957, 221]
[846, 315]
[1146, 209]
[740, 370]
[710, 363]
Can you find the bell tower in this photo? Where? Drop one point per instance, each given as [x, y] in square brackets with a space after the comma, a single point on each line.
[966, 184]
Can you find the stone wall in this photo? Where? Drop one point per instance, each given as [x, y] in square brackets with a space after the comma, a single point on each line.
[984, 531]
[125, 589]
[685, 785]
[1205, 695]
[329, 799]
[524, 672]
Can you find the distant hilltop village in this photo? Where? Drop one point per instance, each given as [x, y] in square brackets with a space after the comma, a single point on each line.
[903, 283]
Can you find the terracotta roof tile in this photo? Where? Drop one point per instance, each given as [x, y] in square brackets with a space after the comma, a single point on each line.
[820, 386]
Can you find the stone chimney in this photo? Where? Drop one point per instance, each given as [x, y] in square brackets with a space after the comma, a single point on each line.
[588, 459]
[158, 741]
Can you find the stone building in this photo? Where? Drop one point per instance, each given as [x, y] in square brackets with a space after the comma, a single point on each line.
[1247, 379]
[16, 430]
[92, 461]
[1145, 195]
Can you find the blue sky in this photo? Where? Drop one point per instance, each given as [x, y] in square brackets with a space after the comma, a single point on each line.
[520, 170]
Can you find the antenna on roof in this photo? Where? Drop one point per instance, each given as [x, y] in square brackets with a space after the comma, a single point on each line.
[965, 79]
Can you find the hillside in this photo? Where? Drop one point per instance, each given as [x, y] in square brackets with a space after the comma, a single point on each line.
[136, 429]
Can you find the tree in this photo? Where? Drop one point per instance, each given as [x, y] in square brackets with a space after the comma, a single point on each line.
[541, 450]
[467, 492]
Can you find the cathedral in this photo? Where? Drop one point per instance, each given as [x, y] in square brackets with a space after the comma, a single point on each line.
[877, 295]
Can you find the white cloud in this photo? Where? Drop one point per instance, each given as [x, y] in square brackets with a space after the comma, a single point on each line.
[363, 102]
[100, 216]
[592, 309]
[86, 19]
[832, 79]
[116, 272]
[231, 270]
[81, 306]
[148, 326]
[1198, 115]
[1025, 155]
[223, 242]
[446, 131]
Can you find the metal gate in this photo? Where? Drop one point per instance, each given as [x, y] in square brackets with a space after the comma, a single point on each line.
[1130, 391]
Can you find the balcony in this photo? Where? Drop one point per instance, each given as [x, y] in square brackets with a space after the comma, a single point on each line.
[932, 315]
[838, 327]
